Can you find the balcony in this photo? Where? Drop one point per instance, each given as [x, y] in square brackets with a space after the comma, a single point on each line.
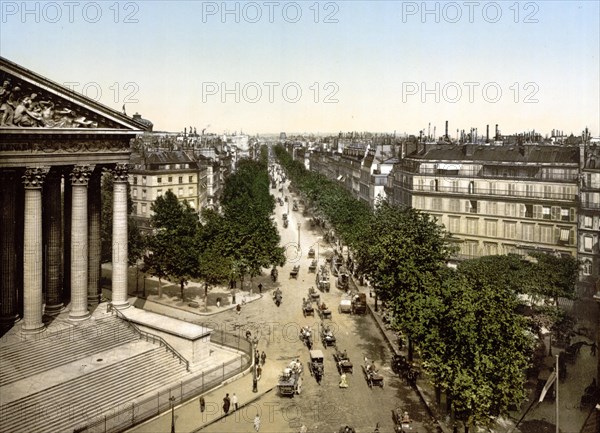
[486, 174]
[493, 192]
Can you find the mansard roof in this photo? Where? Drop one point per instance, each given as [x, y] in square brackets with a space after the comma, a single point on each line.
[32, 102]
[531, 154]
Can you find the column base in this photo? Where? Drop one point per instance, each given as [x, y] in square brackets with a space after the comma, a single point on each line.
[34, 329]
[9, 321]
[54, 310]
[93, 299]
[121, 306]
[80, 316]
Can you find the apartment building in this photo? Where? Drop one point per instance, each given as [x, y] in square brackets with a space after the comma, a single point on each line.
[494, 199]
[589, 216]
[156, 172]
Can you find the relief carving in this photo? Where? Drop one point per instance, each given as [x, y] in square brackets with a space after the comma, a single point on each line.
[23, 105]
[80, 174]
[34, 176]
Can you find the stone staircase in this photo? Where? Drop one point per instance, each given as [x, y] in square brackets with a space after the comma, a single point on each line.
[27, 358]
[65, 406]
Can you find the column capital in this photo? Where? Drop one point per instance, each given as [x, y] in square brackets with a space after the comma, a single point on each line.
[34, 176]
[80, 175]
[120, 172]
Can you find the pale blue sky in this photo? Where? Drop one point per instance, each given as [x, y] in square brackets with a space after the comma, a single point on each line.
[374, 65]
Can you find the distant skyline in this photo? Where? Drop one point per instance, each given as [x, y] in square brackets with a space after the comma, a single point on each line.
[270, 67]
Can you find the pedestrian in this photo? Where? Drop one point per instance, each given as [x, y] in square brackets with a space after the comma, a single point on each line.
[257, 422]
[226, 403]
[263, 357]
[219, 302]
[593, 348]
[238, 308]
[234, 400]
[258, 372]
[259, 287]
[202, 404]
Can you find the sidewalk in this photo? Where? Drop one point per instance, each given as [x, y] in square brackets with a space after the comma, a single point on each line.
[188, 417]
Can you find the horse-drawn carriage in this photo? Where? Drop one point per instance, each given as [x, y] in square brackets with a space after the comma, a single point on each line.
[313, 266]
[316, 365]
[294, 271]
[280, 201]
[327, 337]
[277, 297]
[408, 371]
[313, 295]
[307, 308]
[322, 279]
[372, 374]
[306, 337]
[342, 361]
[324, 312]
[343, 279]
[311, 253]
[285, 224]
[402, 421]
[359, 303]
[290, 382]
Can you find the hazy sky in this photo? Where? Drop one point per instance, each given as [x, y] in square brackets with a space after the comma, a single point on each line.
[321, 66]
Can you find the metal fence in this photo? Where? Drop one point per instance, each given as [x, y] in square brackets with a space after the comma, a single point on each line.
[127, 415]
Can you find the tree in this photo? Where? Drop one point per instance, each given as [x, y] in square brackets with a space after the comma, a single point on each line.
[557, 275]
[174, 243]
[475, 346]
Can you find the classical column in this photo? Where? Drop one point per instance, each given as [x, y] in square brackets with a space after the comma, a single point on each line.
[32, 250]
[9, 308]
[119, 237]
[95, 244]
[52, 224]
[79, 242]
[66, 247]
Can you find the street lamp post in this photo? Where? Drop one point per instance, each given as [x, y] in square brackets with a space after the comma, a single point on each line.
[254, 365]
[172, 400]
[298, 235]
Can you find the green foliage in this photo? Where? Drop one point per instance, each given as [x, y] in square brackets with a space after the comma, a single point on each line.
[557, 275]
[173, 248]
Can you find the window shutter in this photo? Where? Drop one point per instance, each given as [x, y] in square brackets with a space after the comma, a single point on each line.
[572, 214]
[555, 212]
[536, 233]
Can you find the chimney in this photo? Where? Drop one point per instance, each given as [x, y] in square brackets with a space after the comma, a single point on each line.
[487, 133]
[446, 133]
[497, 137]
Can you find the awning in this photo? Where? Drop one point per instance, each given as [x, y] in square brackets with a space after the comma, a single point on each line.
[447, 166]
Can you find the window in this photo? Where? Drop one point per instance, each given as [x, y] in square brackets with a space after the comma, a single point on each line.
[529, 190]
[143, 208]
[512, 189]
[547, 191]
[546, 212]
[546, 234]
[470, 248]
[472, 224]
[527, 232]
[135, 180]
[143, 194]
[510, 230]
[436, 203]
[555, 212]
[491, 228]
[587, 267]
[454, 205]
[170, 179]
[564, 214]
[471, 206]
[433, 185]
[180, 192]
[134, 192]
[159, 180]
[454, 186]
[490, 249]
[492, 208]
[564, 235]
[587, 222]
[420, 184]
[143, 180]
[191, 179]
[191, 190]
[471, 187]
[492, 187]
[454, 224]
[587, 243]
[510, 209]
[180, 179]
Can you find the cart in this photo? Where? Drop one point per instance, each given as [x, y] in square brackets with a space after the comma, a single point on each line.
[313, 266]
[294, 271]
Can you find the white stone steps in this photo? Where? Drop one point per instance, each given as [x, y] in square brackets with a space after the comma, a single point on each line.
[64, 406]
